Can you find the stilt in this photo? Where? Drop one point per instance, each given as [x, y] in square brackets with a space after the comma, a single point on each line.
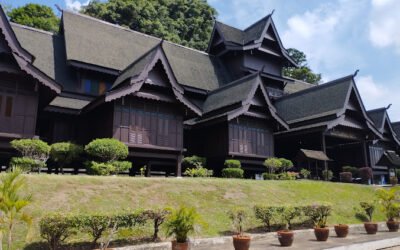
[179, 166]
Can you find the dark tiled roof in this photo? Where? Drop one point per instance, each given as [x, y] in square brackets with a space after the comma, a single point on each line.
[378, 117]
[231, 93]
[319, 101]
[96, 42]
[69, 103]
[396, 128]
[390, 159]
[297, 86]
[48, 50]
[314, 155]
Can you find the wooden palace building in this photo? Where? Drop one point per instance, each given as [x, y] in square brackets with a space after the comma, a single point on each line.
[95, 79]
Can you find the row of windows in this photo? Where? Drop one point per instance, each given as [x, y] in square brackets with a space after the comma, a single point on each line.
[7, 103]
[94, 87]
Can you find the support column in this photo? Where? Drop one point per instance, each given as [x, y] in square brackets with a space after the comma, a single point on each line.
[179, 166]
[365, 154]
[323, 146]
[148, 169]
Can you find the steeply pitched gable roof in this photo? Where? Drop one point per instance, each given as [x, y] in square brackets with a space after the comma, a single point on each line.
[396, 128]
[95, 42]
[381, 118]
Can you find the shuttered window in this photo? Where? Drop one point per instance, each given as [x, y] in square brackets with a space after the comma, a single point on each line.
[9, 106]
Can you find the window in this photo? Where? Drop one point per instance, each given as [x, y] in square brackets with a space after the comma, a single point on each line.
[9, 106]
[94, 87]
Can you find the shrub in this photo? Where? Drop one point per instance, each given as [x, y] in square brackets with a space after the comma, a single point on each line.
[268, 176]
[158, 217]
[239, 218]
[56, 228]
[346, 177]
[232, 164]
[121, 166]
[181, 222]
[26, 164]
[286, 164]
[266, 214]
[232, 173]
[318, 214]
[35, 149]
[63, 153]
[305, 173]
[198, 172]
[194, 161]
[107, 149]
[366, 174]
[366, 211]
[327, 175]
[95, 168]
[352, 170]
[397, 170]
[272, 164]
[388, 199]
[287, 176]
[288, 214]
[393, 180]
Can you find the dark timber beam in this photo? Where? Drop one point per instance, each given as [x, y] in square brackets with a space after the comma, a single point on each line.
[179, 166]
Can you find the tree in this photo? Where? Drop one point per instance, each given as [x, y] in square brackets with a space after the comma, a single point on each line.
[64, 153]
[36, 16]
[272, 164]
[32, 151]
[188, 23]
[303, 72]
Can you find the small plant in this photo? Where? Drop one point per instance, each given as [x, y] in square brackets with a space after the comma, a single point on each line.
[121, 166]
[346, 177]
[56, 228]
[158, 216]
[366, 174]
[63, 153]
[393, 180]
[352, 170]
[34, 149]
[286, 164]
[327, 175]
[318, 214]
[181, 223]
[194, 161]
[239, 219]
[272, 164]
[268, 176]
[305, 173]
[288, 214]
[366, 211]
[289, 176]
[388, 199]
[26, 164]
[198, 172]
[143, 171]
[232, 173]
[232, 164]
[266, 214]
[95, 168]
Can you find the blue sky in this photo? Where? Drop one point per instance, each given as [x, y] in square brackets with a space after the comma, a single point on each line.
[338, 36]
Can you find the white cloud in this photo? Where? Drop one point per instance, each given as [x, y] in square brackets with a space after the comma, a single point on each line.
[384, 24]
[75, 5]
[377, 95]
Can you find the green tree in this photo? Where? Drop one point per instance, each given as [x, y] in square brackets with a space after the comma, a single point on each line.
[12, 203]
[303, 72]
[36, 16]
[64, 153]
[188, 23]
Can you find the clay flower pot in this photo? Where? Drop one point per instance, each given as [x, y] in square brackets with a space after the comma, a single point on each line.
[285, 237]
[342, 230]
[370, 227]
[180, 246]
[393, 226]
[241, 242]
[321, 234]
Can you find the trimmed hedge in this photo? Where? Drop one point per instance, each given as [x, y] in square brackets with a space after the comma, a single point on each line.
[232, 173]
[232, 164]
[26, 164]
[107, 149]
[346, 177]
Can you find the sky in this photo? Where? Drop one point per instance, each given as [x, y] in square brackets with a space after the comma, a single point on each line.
[338, 37]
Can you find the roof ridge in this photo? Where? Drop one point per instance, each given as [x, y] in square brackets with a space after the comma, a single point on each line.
[262, 19]
[233, 83]
[33, 29]
[317, 87]
[230, 26]
[133, 31]
[376, 110]
[395, 123]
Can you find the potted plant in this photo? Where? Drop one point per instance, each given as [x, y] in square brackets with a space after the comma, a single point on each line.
[393, 180]
[240, 241]
[388, 201]
[180, 223]
[286, 236]
[365, 213]
[319, 214]
[342, 230]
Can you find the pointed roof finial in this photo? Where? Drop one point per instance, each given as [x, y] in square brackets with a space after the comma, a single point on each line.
[388, 107]
[58, 7]
[356, 72]
[272, 12]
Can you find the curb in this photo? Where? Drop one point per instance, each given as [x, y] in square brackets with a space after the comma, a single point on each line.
[371, 245]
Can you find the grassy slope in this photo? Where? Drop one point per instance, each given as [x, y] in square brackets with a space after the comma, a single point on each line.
[212, 197]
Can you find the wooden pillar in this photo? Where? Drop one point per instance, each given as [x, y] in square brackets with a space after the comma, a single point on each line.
[179, 166]
[365, 154]
[323, 146]
[148, 169]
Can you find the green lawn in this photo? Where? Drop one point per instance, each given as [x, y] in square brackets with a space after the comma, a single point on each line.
[212, 197]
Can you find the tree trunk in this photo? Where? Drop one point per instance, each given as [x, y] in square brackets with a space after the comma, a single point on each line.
[9, 242]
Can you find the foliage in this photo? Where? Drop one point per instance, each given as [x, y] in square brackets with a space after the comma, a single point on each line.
[184, 22]
[143, 171]
[303, 72]
[327, 175]
[64, 153]
[388, 199]
[36, 16]
[393, 180]
[266, 214]
[318, 214]
[366, 211]
[352, 170]
[95, 168]
[346, 177]
[56, 228]
[12, 202]
[181, 222]
[286, 164]
[288, 214]
[107, 149]
[35, 149]
[198, 172]
[232, 173]
[272, 164]
[268, 176]
[365, 173]
[232, 164]
[25, 164]
[288, 176]
[194, 161]
[397, 170]
[158, 216]
[305, 173]
[239, 219]
[121, 166]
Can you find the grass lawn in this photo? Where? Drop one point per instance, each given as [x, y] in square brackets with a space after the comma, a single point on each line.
[212, 197]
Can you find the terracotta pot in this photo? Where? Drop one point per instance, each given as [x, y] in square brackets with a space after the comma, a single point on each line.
[241, 242]
[285, 237]
[180, 246]
[393, 226]
[321, 234]
[371, 227]
[342, 230]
